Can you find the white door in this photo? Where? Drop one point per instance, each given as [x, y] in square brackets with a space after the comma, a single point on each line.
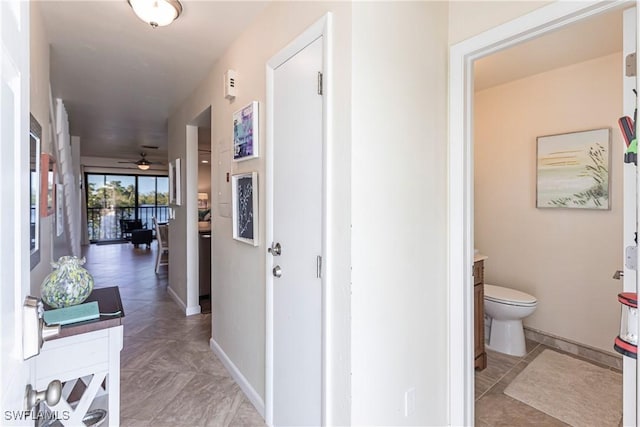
[14, 193]
[297, 227]
[630, 214]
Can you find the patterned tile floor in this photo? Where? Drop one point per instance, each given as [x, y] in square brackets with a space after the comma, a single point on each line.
[493, 407]
[169, 375]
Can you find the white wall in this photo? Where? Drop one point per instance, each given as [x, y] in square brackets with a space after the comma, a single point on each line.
[564, 257]
[39, 107]
[238, 299]
[399, 149]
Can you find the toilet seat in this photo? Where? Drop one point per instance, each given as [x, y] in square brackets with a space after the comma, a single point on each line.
[508, 296]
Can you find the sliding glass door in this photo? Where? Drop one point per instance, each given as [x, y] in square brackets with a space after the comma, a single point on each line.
[114, 198]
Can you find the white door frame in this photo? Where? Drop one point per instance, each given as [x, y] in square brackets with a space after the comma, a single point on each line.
[321, 28]
[460, 182]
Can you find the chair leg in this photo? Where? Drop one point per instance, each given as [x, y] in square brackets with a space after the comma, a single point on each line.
[158, 259]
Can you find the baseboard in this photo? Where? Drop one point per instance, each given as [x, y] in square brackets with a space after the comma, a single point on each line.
[176, 299]
[193, 310]
[188, 311]
[612, 360]
[248, 390]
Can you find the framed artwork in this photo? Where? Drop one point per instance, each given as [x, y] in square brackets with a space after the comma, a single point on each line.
[203, 200]
[244, 195]
[245, 133]
[47, 184]
[573, 170]
[174, 183]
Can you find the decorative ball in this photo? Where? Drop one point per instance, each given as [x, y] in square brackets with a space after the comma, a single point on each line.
[68, 284]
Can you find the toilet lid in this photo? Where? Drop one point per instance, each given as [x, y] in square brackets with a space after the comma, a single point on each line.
[500, 294]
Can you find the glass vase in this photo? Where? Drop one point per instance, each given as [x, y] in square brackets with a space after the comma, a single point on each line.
[68, 284]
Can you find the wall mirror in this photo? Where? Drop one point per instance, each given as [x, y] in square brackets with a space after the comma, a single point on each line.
[35, 136]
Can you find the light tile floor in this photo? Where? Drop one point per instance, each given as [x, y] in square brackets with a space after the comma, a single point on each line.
[496, 409]
[169, 375]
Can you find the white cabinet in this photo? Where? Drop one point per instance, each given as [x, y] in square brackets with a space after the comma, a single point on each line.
[87, 362]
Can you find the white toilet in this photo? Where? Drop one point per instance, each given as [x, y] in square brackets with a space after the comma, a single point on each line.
[506, 308]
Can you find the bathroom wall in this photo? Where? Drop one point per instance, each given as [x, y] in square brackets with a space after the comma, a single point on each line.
[564, 257]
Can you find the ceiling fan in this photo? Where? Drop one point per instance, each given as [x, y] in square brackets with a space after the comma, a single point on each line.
[143, 163]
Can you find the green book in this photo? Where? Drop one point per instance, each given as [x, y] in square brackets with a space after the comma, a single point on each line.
[73, 314]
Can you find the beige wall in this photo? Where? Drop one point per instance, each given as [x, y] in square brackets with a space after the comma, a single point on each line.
[564, 257]
[469, 18]
[238, 300]
[399, 305]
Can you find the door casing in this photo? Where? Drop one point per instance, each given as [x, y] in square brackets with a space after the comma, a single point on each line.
[460, 180]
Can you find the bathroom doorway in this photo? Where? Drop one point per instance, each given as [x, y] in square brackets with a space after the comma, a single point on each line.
[515, 165]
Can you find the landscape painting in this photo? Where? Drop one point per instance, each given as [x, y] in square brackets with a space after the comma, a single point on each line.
[573, 170]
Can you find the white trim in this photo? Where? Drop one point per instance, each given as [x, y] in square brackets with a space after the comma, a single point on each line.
[188, 311]
[321, 28]
[244, 384]
[195, 309]
[460, 182]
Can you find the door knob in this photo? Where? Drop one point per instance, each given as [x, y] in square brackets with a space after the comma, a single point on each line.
[51, 395]
[275, 249]
[277, 271]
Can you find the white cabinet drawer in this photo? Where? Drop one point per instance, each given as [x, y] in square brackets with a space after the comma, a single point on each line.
[72, 357]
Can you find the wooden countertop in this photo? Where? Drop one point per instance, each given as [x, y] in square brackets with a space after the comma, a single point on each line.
[109, 301]
[479, 257]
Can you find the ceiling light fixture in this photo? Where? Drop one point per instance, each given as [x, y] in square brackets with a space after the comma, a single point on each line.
[143, 165]
[156, 13]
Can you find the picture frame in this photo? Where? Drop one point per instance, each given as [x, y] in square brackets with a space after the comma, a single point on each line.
[572, 170]
[244, 195]
[246, 132]
[203, 200]
[47, 185]
[174, 183]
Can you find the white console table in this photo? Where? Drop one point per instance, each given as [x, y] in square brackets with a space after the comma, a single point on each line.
[87, 353]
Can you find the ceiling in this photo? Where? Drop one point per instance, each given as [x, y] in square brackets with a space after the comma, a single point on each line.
[120, 79]
[588, 39]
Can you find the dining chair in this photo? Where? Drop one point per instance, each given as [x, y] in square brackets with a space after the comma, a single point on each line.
[162, 236]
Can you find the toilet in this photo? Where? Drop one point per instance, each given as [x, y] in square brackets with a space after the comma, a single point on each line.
[506, 308]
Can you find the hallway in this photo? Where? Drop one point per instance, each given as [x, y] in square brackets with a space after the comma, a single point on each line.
[169, 375]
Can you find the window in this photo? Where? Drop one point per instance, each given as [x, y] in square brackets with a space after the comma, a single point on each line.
[112, 198]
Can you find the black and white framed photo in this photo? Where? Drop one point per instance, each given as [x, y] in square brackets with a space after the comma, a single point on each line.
[174, 183]
[244, 199]
[245, 132]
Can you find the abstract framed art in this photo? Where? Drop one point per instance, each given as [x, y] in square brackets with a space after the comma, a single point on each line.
[246, 133]
[244, 201]
[573, 170]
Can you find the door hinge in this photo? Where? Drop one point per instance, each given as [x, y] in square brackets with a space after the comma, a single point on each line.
[319, 267]
[631, 257]
[630, 65]
[319, 83]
